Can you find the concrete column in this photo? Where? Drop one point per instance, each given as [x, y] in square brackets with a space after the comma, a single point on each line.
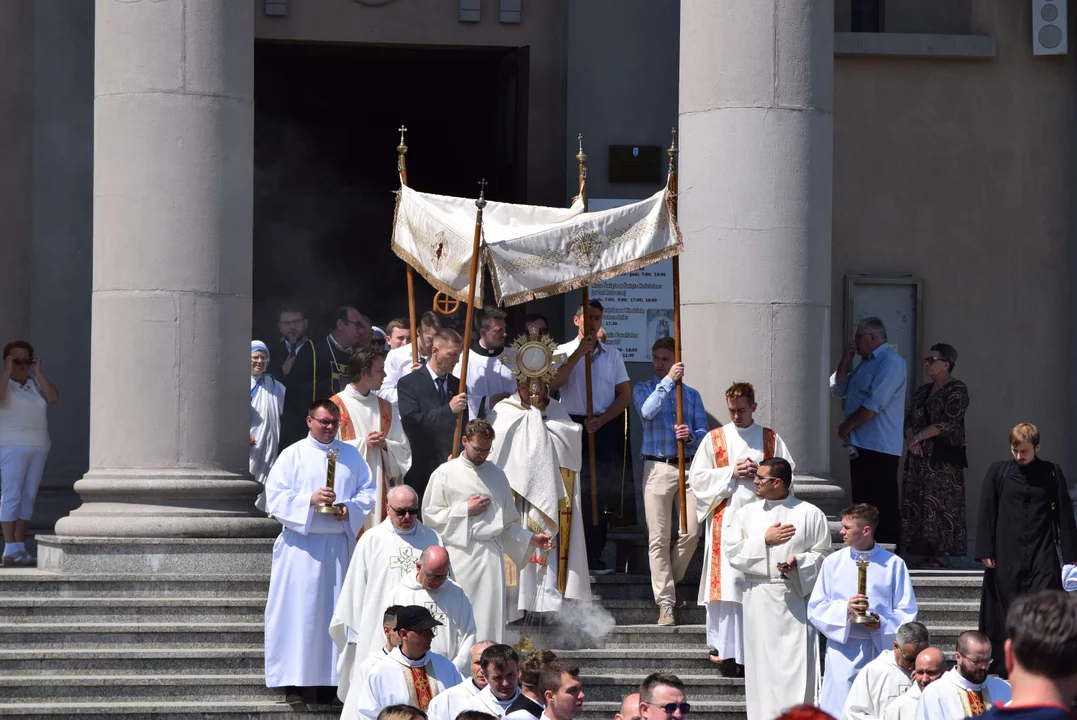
[16, 138]
[171, 308]
[756, 176]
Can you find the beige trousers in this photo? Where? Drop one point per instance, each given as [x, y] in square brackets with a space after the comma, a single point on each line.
[660, 499]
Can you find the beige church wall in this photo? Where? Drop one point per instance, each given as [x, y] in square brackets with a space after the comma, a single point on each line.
[957, 172]
[433, 23]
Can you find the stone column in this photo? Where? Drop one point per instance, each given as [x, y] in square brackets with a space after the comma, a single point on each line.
[756, 177]
[171, 309]
[16, 139]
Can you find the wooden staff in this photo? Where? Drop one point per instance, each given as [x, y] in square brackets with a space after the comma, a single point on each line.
[683, 488]
[402, 168]
[585, 318]
[480, 204]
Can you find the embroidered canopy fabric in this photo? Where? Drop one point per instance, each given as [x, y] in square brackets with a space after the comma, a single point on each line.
[531, 251]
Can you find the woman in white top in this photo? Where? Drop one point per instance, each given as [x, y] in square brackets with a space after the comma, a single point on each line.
[267, 403]
[25, 392]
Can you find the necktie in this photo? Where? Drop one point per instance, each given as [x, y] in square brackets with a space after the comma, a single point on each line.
[442, 393]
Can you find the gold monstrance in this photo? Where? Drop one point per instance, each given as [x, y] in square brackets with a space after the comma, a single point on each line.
[532, 360]
[331, 456]
[863, 559]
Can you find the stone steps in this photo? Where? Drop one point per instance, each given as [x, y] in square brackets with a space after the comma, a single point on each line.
[179, 646]
[97, 635]
[136, 660]
[249, 687]
[164, 710]
[701, 687]
[132, 610]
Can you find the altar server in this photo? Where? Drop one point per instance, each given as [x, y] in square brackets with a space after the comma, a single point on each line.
[835, 604]
[311, 555]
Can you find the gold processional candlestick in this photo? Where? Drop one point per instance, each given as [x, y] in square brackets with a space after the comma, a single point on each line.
[862, 562]
[330, 478]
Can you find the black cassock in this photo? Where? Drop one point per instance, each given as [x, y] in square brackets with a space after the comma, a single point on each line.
[1025, 513]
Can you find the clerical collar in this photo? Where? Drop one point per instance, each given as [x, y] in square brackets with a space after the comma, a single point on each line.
[770, 504]
[355, 391]
[413, 530]
[463, 458]
[478, 349]
[962, 682]
[398, 654]
[321, 446]
[741, 431]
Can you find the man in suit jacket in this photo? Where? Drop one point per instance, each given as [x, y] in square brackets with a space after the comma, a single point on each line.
[430, 401]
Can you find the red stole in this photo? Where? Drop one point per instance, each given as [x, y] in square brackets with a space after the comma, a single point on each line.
[721, 460]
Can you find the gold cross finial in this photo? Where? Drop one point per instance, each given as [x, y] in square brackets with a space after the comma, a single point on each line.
[481, 202]
[581, 156]
[672, 152]
[402, 148]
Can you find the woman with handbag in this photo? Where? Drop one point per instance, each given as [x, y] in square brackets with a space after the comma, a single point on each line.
[933, 491]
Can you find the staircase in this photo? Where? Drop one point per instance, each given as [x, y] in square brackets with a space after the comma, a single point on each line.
[188, 647]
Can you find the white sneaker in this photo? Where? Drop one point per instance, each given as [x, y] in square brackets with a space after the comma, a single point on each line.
[665, 615]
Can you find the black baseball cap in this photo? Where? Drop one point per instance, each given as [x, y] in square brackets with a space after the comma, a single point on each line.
[415, 617]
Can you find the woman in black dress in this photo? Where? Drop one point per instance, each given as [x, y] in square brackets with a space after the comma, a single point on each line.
[1026, 519]
[933, 488]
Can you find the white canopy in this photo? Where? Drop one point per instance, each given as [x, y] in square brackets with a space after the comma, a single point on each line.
[531, 251]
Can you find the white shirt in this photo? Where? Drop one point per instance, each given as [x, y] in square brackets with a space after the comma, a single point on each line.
[23, 416]
[397, 365]
[607, 371]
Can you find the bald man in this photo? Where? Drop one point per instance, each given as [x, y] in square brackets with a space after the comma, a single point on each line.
[449, 704]
[432, 588]
[967, 690]
[930, 665]
[383, 557]
[629, 708]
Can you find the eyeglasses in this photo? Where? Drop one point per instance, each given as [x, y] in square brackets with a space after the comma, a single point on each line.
[435, 576]
[22, 363]
[326, 423]
[932, 359]
[481, 450]
[764, 478]
[401, 512]
[671, 708]
[976, 661]
[292, 323]
[430, 632]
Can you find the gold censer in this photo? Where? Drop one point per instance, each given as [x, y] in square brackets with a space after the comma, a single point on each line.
[330, 479]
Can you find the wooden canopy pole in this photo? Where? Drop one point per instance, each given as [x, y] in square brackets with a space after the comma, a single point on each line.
[585, 318]
[402, 168]
[683, 489]
[480, 204]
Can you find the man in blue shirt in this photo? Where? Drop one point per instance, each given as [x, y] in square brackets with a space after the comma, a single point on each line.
[656, 402]
[874, 394]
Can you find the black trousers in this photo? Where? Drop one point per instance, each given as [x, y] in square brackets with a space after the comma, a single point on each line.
[616, 492]
[874, 481]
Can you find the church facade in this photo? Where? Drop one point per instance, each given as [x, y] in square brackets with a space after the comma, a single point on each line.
[162, 193]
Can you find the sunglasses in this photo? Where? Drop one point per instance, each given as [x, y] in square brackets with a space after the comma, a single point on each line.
[932, 359]
[401, 512]
[671, 708]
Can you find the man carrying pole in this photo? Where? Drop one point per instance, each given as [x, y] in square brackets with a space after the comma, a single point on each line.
[597, 398]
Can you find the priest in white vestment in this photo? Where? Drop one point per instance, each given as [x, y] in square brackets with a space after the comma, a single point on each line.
[311, 555]
[383, 557]
[372, 426]
[411, 674]
[779, 544]
[452, 702]
[501, 666]
[966, 690]
[267, 404]
[489, 378]
[930, 665]
[887, 677]
[834, 603]
[538, 446]
[431, 587]
[721, 478]
[470, 504]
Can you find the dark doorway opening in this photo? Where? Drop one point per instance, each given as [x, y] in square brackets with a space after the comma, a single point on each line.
[326, 120]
